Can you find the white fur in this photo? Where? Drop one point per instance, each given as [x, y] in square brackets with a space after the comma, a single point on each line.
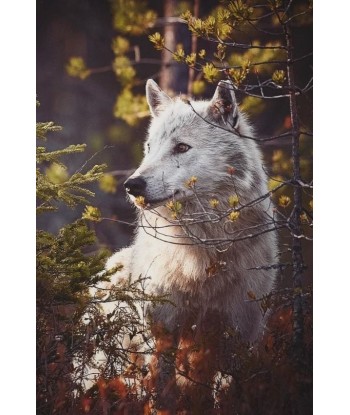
[162, 250]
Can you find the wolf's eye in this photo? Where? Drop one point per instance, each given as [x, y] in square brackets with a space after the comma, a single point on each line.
[182, 148]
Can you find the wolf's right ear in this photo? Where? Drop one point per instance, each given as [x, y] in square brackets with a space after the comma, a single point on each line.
[223, 106]
[156, 98]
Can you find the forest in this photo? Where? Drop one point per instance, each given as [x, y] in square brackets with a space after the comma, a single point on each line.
[93, 61]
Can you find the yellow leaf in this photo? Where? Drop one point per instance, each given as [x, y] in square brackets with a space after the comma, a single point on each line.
[284, 201]
[191, 182]
[214, 203]
[92, 213]
[108, 183]
[233, 216]
[140, 202]
[233, 201]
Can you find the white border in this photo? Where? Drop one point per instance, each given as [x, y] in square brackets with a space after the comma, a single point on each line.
[17, 31]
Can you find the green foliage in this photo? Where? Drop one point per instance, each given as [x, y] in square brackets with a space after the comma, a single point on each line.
[131, 108]
[53, 184]
[124, 71]
[108, 183]
[240, 10]
[279, 76]
[132, 17]
[70, 265]
[198, 26]
[256, 55]
[253, 105]
[56, 173]
[220, 51]
[43, 128]
[179, 54]
[120, 45]
[210, 73]
[198, 87]
[224, 25]
[64, 272]
[191, 59]
[221, 22]
[175, 207]
[238, 75]
[92, 213]
[158, 40]
[76, 68]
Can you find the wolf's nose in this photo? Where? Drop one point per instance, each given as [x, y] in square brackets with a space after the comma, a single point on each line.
[135, 187]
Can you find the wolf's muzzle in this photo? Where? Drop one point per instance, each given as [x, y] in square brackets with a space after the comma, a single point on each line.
[136, 186]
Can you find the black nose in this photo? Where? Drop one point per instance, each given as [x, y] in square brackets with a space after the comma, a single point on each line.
[135, 187]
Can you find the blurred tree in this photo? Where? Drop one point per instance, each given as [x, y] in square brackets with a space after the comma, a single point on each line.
[173, 76]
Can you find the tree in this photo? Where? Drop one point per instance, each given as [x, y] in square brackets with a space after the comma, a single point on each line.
[71, 327]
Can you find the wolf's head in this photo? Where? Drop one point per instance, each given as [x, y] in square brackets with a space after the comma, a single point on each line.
[201, 139]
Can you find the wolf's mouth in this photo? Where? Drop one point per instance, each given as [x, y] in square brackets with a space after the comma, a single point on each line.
[152, 203]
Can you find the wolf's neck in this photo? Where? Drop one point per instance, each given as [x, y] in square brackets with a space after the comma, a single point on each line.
[159, 223]
[203, 225]
[195, 225]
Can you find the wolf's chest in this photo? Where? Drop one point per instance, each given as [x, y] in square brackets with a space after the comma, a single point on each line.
[170, 264]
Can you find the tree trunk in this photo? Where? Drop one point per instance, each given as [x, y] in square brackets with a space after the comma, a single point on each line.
[297, 255]
[174, 75]
[194, 41]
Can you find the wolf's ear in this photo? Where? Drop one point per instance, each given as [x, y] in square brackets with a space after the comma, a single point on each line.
[223, 105]
[156, 98]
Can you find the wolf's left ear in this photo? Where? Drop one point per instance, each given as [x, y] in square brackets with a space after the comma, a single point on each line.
[156, 98]
[223, 105]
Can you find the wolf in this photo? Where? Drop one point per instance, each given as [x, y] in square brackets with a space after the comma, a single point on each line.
[205, 233]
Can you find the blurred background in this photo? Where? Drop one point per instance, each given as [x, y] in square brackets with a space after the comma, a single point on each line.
[93, 59]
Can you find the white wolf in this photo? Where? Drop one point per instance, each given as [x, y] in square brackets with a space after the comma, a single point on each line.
[204, 140]
[200, 157]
